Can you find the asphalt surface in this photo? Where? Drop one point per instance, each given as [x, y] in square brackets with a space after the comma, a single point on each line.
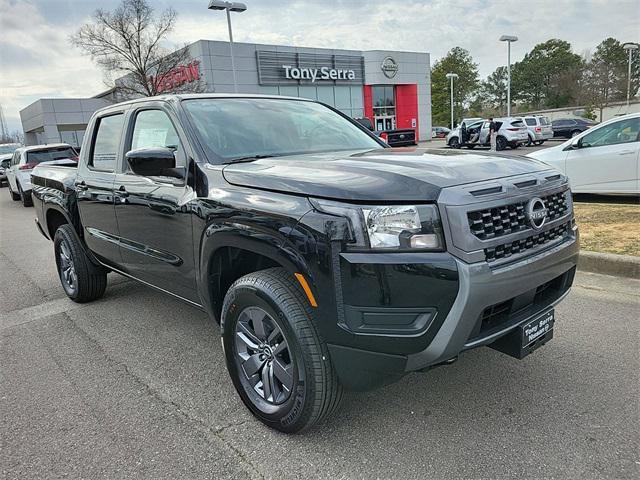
[134, 385]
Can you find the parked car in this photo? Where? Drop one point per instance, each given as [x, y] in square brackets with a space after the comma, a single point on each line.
[511, 132]
[439, 132]
[401, 137]
[570, 127]
[5, 163]
[24, 160]
[538, 128]
[6, 152]
[330, 260]
[604, 160]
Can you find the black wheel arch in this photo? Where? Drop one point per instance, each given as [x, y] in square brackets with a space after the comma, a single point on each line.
[229, 255]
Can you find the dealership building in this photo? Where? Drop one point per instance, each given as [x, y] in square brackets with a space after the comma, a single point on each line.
[392, 89]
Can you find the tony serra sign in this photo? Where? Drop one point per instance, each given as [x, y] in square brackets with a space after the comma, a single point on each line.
[289, 68]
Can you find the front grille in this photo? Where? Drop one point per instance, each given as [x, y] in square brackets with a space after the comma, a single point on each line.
[519, 246]
[506, 219]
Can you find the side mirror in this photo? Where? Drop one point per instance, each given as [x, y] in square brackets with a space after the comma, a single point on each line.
[153, 162]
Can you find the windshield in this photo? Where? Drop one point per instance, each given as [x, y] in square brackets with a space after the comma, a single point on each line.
[62, 153]
[8, 148]
[239, 128]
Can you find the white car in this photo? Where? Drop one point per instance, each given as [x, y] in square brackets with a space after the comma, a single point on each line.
[25, 159]
[512, 132]
[604, 159]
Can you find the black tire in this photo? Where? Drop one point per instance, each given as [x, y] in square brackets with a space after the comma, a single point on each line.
[25, 198]
[454, 142]
[272, 299]
[14, 196]
[471, 146]
[84, 282]
[541, 142]
[575, 132]
[501, 143]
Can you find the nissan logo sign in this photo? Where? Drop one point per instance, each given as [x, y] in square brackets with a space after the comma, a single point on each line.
[536, 213]
[389, 67]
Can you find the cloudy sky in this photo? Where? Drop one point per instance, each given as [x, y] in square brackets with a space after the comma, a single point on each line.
[36, 59]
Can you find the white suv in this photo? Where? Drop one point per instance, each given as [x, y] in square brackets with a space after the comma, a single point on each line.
[538, 127]
[24, 161]
[512, 132]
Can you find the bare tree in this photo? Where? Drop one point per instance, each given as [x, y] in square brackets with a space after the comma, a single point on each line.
[128, 43]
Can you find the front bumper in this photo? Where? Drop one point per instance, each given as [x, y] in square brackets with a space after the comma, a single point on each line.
[369, 363]
[482, 287]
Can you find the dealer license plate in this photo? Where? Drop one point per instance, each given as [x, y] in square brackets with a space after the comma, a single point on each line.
[537, 328]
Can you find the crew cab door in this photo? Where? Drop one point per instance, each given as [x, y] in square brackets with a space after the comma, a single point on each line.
[154, 213]
[94, 186]
[607, 158]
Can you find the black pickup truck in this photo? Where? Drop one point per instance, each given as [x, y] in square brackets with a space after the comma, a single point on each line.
[330, 260]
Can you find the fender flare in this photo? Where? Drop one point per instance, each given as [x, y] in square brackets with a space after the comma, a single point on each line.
[56, 207]
[272, 245]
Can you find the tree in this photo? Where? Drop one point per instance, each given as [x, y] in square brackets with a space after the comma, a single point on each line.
[546, 75]
[127, 42]
[494, 91]
[459, 61]
[607, 72]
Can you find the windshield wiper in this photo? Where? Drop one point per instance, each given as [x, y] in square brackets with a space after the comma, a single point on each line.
[249, 158]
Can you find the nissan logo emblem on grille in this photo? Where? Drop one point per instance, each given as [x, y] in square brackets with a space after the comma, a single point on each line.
[536, 213]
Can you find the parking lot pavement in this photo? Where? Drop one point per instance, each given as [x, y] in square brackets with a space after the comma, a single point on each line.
[134, 385]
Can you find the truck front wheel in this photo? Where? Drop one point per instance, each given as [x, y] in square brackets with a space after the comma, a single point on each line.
[278, 363]
[81, 279]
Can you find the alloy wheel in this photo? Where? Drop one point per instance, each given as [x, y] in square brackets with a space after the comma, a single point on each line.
[263, 355]
[68, 273]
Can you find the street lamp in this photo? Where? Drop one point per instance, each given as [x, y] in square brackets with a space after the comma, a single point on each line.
[451, 77]
[229, 7]
[508, 39]
[631, 47]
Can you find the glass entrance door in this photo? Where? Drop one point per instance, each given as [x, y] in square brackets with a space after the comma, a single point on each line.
[385, 122]
[384, 107]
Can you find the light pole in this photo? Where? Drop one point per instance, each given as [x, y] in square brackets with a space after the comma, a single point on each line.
[229, 7]
[508, 39]
[451, 77]
[631, 47]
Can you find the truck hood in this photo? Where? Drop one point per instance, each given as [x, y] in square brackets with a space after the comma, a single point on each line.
[376, 175]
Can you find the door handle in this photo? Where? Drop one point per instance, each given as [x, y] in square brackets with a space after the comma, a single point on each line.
[81, 186]
[626, 152]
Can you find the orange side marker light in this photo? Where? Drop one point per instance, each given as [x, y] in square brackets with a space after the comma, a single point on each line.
[307, 289]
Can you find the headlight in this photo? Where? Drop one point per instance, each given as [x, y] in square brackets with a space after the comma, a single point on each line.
[415, 227]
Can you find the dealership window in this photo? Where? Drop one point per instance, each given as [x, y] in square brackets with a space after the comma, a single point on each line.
[384, 107]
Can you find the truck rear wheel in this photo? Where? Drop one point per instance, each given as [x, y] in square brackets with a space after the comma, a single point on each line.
[81, 279]
[278, 363]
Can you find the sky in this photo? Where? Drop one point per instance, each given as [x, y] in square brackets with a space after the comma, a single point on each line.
[36, 59]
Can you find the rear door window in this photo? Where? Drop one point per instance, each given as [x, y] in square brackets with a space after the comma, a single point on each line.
[517, 123]
[544, 121]
[104, 152]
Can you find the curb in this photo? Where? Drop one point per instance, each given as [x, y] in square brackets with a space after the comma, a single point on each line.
[609, 264]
